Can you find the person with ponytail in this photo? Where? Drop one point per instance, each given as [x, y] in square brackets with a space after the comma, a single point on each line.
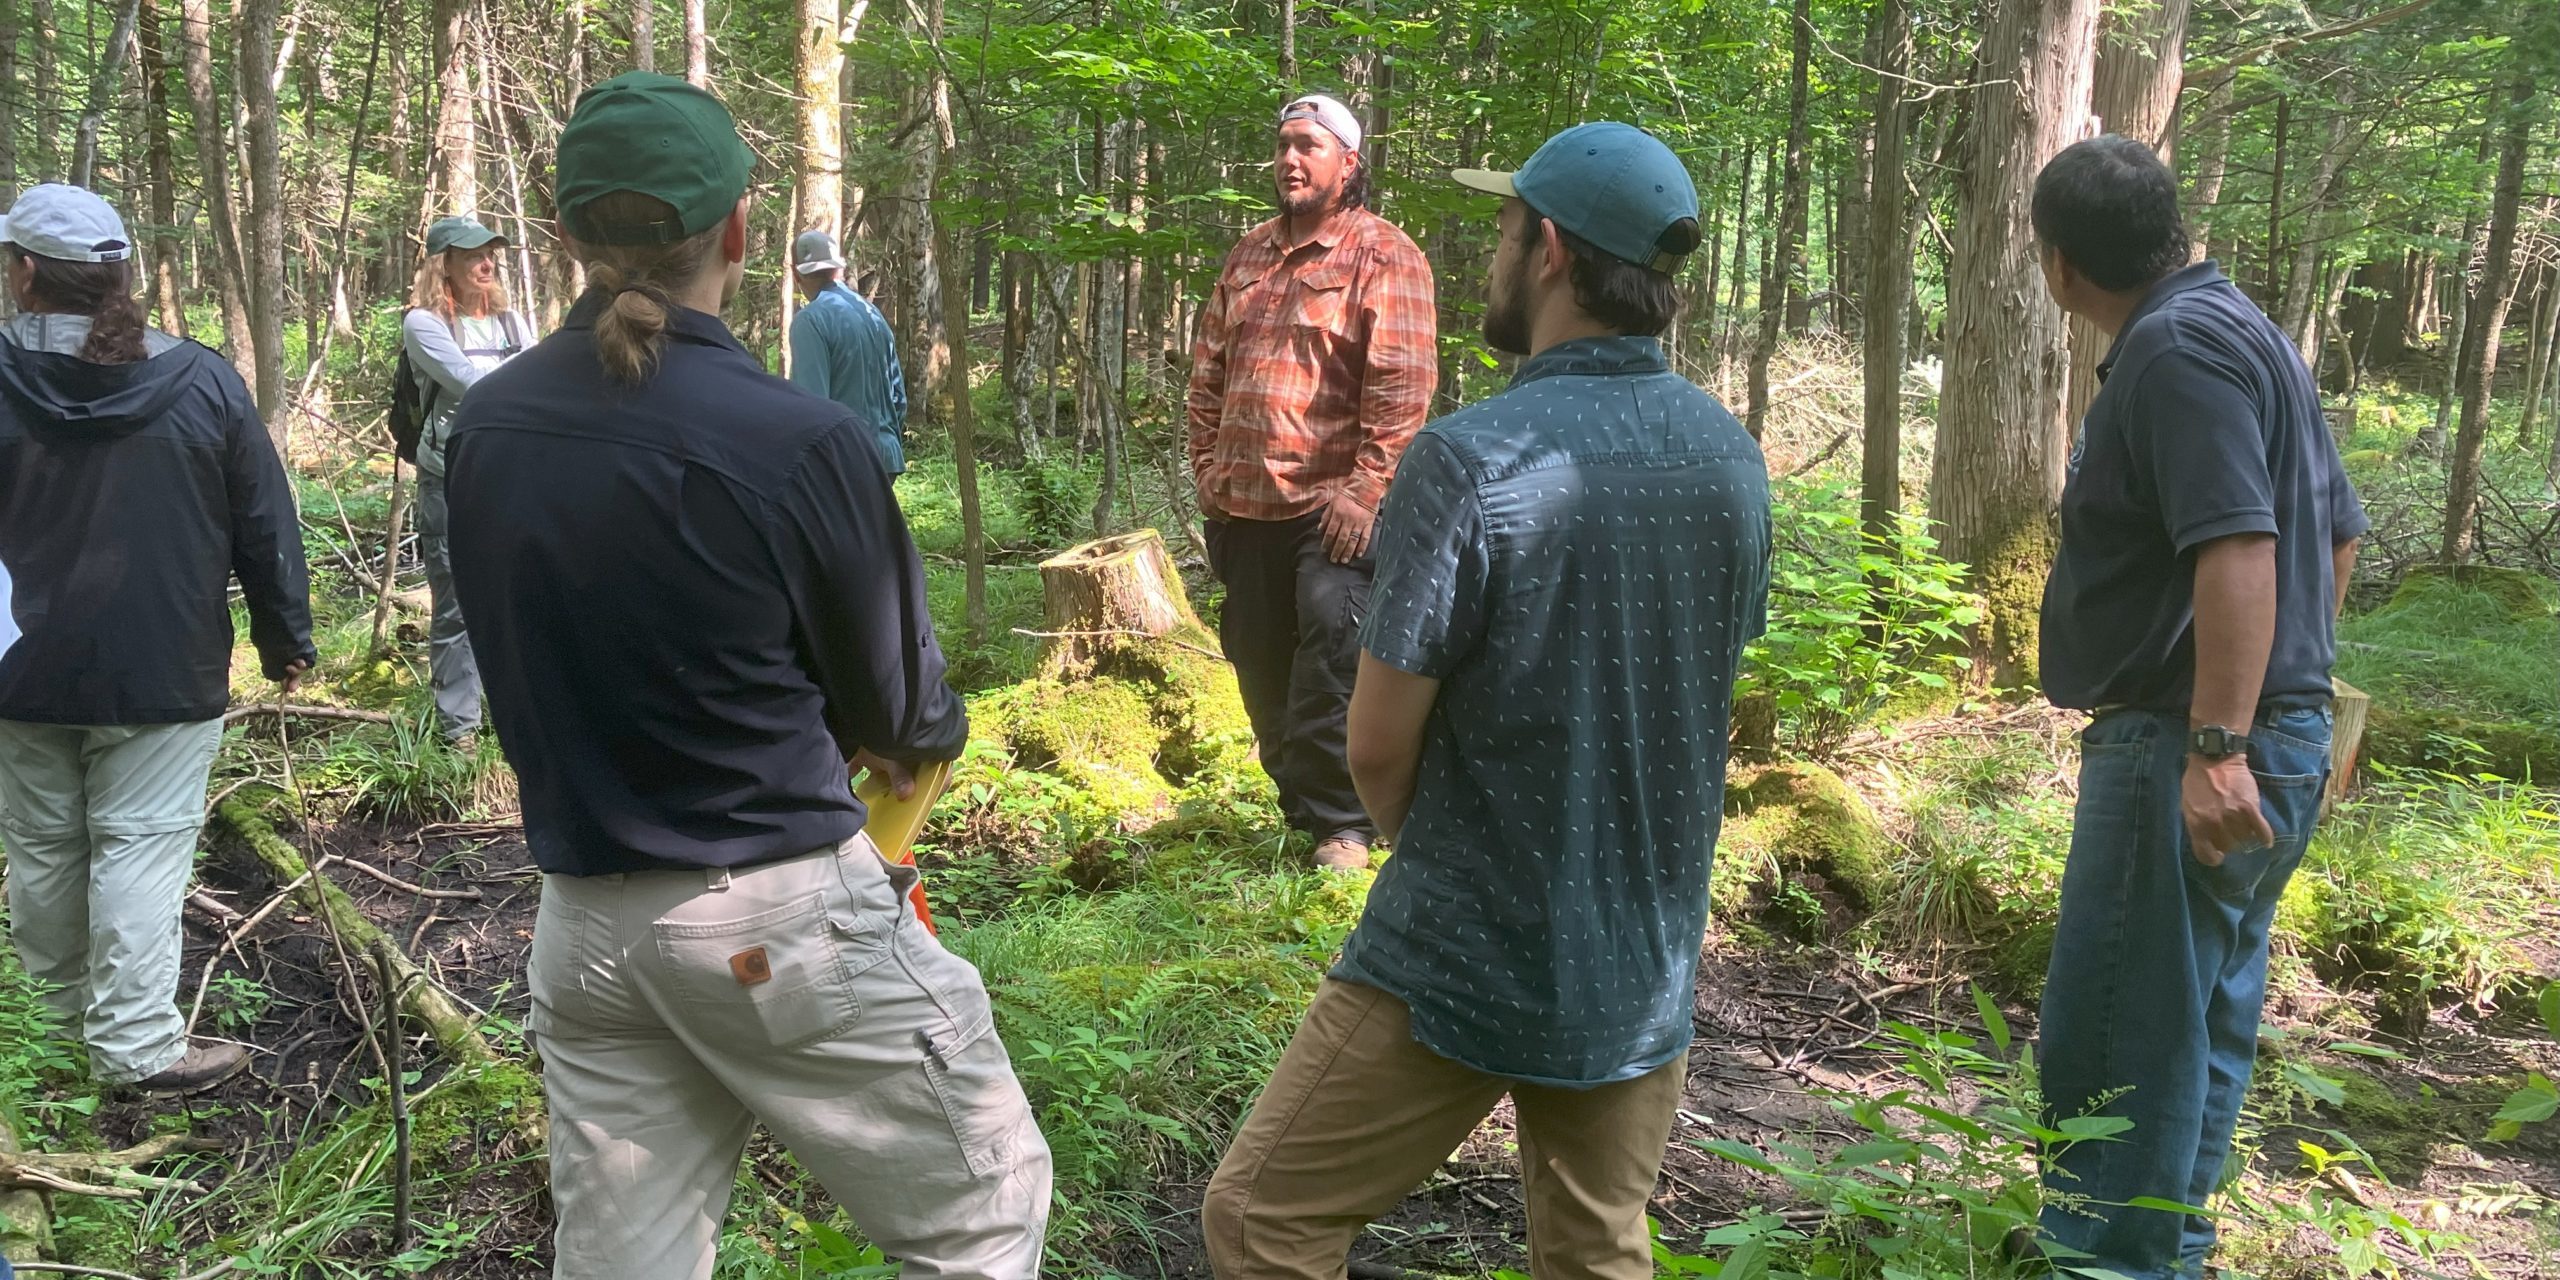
[136, 482]
[458, 328]
[697, 608]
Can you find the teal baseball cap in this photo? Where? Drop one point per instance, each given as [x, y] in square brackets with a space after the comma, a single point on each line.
[459, 232]
[656, 136]
[1611, 184]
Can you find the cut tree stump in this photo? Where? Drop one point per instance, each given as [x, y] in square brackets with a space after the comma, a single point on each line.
[2349, 708]
[1122, 587]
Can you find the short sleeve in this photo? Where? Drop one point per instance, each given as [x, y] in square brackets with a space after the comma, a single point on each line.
[2347, 520]
[2205, 448]
[1427, 607]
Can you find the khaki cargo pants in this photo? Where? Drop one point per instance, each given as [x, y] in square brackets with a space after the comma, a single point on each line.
[676, 1009]
[100, 825]
[1359, 1113]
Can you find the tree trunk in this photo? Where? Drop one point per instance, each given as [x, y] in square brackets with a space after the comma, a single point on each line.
[231, 268]
[1100, 593]
[169, 303]
[1888, 277]
[644, 35]
[922, 351]
[258, 22]
[9, 33]
[697, 48]
[102, 89]
[821, 150]
[955, 322]
[2001, 433]
[1785, 281]
[2489, 304]
[45, 88]
[2302, 294]
[1289, 46]
[2212, 164]
[2450, 366]
[2540, 337]
[1741, 265]
[2134, 92]
[456, 168]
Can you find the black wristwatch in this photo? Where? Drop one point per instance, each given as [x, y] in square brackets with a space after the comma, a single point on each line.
[2214, 742]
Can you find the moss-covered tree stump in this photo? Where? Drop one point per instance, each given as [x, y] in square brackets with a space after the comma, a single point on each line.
[1802, 855]
[1132, 699]
[1118, 589]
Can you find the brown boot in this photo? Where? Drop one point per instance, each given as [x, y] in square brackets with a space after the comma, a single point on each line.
[205, 1066]
[1343, 852]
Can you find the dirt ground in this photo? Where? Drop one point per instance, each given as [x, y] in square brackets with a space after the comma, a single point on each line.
[1774, 1034]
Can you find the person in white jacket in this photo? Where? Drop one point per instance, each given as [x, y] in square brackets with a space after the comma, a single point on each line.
[458, 328]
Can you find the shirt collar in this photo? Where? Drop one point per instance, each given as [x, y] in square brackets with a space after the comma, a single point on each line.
[2185, 279]
[683, 322]
[1602, 356]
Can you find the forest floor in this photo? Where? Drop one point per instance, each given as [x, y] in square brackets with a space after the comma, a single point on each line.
[1861, 1082]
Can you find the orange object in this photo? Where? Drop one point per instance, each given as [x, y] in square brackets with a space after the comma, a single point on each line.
[894, 824]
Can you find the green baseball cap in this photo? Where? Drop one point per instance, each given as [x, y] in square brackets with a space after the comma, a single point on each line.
[657, 136]
[459, 232]
[1611, 184]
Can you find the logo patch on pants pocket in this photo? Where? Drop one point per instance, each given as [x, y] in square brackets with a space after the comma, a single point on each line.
[750, 967]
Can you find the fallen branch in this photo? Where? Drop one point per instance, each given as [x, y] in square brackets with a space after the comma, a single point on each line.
[223, 913]
[421, 998]
[237, 714]
[466, 895]
[108, 1174]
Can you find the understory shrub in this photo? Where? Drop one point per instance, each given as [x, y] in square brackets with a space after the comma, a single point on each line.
[1855, 621]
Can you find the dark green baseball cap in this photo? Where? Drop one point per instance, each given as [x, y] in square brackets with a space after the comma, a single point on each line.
[459, 232]
[657, 136]
[1611, 184]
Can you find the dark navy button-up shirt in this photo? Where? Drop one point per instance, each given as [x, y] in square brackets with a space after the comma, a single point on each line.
[2207, 426]
[1580, 561]
[692, 599]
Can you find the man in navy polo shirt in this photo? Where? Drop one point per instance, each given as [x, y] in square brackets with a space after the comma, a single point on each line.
[1567, 575]
[2208, 532]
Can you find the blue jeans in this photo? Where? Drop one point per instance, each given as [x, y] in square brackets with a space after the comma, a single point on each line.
[2158, 974]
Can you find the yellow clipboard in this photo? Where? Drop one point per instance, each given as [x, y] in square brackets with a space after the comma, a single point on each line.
[894, 824]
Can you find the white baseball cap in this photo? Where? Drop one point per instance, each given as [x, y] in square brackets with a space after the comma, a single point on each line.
[1329, 114]
[816, 251]
[66, 223]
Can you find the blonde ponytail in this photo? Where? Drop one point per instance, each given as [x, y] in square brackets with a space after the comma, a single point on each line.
[640, 279]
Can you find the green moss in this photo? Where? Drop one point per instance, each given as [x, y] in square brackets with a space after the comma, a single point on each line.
[2442, 740]
[449, 1126]
[2399, 1133]
[1803, 853]
[2519, 592]
[1099, 734]
[2010, 581]
[2366, 459]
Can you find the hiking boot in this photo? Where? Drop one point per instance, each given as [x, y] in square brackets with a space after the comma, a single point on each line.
[1344, 852]
[465, 743]
[205, 1066]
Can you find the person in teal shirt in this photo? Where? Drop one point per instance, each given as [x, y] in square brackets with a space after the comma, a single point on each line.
[842, 349]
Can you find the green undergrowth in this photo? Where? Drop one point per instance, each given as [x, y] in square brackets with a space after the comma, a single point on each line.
[2427, 888]
[2460, 666]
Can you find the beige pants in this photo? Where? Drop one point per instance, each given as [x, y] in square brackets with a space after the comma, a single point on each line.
[676, 1009]
[1359, 1113]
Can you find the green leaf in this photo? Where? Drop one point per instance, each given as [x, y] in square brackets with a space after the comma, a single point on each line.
[1992, 1022]
[2170, 1206]
[2550, 1006]
[2536, 1102]
[2325, 1088]
[1741, 1155]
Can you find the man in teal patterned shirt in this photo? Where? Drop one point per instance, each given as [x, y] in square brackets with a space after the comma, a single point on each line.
[1567, 575]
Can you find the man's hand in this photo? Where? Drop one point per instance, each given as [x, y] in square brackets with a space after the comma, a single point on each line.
[902, 780]
[1347, 526]
[293, 673]
[2220, 801]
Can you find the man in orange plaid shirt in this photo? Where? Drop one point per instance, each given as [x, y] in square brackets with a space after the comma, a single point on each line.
[1314, 365]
